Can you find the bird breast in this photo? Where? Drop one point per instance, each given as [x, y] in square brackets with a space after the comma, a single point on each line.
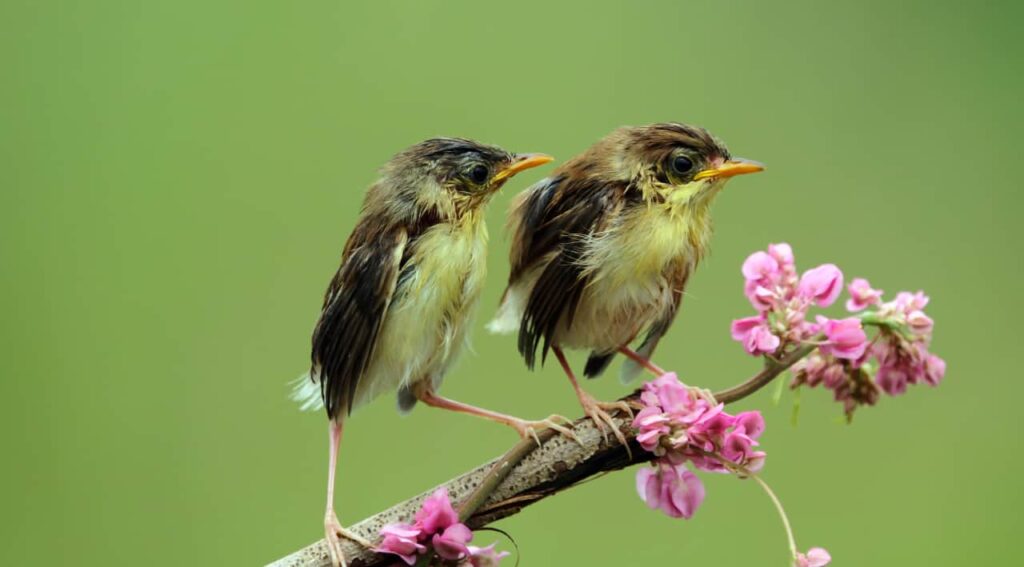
[424, 329]
[634, 267]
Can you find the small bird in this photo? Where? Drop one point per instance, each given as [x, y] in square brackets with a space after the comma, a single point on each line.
[602, 249]
[396, 312]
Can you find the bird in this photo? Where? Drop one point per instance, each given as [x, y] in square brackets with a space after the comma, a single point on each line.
[395, 314]
[602, 249]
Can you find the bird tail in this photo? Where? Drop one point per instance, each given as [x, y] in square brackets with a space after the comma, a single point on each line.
[306, 392]
[510, 314]
[597, 363]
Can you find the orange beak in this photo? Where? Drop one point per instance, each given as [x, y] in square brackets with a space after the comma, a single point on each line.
[521, 162]
[735, 166]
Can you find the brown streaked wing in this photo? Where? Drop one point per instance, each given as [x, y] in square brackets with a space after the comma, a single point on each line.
[354, 308]
[552, 222]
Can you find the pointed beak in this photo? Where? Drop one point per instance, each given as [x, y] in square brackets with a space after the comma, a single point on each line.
[521, 162]
[735, 166]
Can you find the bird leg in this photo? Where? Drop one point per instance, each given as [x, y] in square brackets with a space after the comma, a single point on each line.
[596, 410]
[643, 362]
[332, 527]
[525, 428]
[657, 371]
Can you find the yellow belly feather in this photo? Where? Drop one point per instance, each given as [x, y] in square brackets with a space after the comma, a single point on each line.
[629, 267]
[425, 327]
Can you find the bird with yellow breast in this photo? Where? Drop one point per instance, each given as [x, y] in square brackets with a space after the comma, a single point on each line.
[603, 248]
[396, 312]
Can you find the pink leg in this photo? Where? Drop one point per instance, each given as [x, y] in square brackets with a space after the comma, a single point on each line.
[597, 411]
[658, 371]
[333, 528]
[647, 364]
[524, 427]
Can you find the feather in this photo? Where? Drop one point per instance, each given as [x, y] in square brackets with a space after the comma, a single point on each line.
[551, 223]
[354, 309]
[630, 369]
[306, 392]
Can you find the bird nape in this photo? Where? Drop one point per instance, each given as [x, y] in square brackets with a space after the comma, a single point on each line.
[602, 249]
[396, 311]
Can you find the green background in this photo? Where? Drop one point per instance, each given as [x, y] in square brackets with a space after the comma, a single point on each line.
[177, 180]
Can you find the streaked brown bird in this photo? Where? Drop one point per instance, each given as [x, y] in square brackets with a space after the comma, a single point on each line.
[602, 249]
[396, 313]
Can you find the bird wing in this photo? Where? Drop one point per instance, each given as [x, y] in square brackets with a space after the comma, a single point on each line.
[550, 224]
[354, 308]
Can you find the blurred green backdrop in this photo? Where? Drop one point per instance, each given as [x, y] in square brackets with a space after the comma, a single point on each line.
[177, 180]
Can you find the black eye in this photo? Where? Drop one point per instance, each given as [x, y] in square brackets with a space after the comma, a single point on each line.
[478, 174]
[682, 165]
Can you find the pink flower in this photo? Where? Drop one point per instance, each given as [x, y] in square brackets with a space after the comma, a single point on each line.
[934, 369]
[751, 423]
[783, 254]
[892, 380]
[846, 338]
[437, 513]
[755, 335]
[652, 424]
[672, 488]
[451, 544]
[760, 266]
[920, 323]
[862, 295]
[679, 427]
[485, 556]
[833, 376]
[815, 557]
[401, 540]
[436, 523]
[668, 391]
[908, 302]
[821, 285]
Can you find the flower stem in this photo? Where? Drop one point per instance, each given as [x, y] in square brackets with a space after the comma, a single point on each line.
[763, 378]
[743, 472]
[782, 513]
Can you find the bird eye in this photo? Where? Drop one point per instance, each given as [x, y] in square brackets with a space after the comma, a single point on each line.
[682, 165]
[478, 174]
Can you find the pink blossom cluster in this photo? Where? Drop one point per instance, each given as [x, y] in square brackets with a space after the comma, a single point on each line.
[896, 357]
[846, 362]
[679, 427]
[437, 525]
[782, 299]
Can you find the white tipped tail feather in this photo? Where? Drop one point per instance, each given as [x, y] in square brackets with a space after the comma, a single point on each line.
[306, 392]
[510, 313]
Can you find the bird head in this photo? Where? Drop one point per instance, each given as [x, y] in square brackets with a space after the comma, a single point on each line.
[455, 175]
[675, 162]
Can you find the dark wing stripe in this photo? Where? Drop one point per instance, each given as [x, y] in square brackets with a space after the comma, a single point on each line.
[356, 303]
[555, 219]
[557, 292]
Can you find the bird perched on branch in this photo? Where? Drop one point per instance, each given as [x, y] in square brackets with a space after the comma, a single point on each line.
[602, 249]
[396, 312]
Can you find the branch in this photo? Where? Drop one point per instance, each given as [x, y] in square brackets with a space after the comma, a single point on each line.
[524, 475]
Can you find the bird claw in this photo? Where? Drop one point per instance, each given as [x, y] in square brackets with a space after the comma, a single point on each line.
[333, 532]
[620, 405]
[703, 394]
[602, 419]
[529, 428]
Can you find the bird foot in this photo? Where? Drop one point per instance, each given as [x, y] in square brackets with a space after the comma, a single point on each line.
[703, 394]
[528, 429]
[598, 412]
[333, 532]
